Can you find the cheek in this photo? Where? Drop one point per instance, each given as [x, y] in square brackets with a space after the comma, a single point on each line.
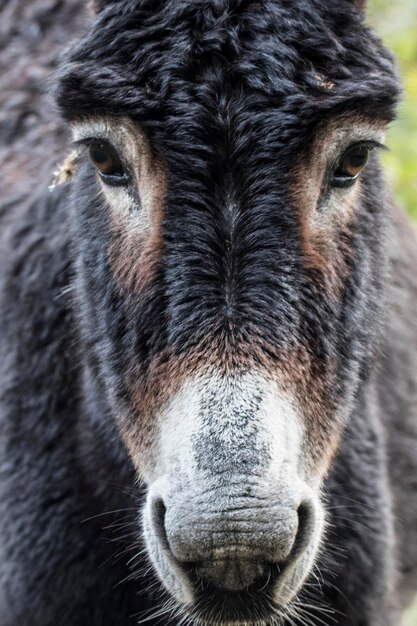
[311, 381]
[136, 218]
[141, 441]
[146, 394]
[325, 233]
[134, 255]
[321, 444]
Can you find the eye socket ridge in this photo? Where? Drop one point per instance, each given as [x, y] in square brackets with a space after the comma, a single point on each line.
[352, 163]
[105, 159]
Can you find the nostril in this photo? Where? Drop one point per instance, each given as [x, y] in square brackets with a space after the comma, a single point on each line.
[305, 520]
[159, 513]
[158, 519]
[224, 552]
[166, 565]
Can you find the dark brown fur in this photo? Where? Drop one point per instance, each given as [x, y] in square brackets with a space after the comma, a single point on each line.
[371, 460]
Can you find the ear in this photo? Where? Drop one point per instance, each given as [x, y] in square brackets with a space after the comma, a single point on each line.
[360, 4]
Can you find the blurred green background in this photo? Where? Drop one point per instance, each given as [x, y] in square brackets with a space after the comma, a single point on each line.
[396, 22]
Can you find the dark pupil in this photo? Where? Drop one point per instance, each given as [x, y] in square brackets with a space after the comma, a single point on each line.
[100, 155]
[357, 159]
[107, 163]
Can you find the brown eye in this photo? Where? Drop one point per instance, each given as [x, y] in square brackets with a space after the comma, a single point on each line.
[351, 165]
[107, 163]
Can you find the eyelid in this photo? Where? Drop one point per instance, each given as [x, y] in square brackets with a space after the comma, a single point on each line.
[85, 142]
[335, 180]
[372, 144]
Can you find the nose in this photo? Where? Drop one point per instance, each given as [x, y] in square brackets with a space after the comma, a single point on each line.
[231, 542]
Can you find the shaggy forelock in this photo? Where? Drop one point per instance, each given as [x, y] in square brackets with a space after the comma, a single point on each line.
[146, 58]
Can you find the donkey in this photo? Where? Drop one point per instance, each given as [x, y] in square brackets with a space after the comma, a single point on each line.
[209, 344]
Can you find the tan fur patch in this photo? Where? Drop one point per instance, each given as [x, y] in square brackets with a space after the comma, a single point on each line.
[324, 229]
[135, 212]
[135, 250]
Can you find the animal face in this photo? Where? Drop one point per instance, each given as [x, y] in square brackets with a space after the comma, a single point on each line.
[230, 236]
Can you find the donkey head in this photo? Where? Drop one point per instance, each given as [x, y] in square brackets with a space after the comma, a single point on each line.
[230, 260]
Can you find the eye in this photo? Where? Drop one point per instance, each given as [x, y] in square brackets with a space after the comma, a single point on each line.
[107, 163]
[352, 163]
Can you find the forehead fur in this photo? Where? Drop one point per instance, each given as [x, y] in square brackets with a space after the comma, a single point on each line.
[140, 58]
[229, 95]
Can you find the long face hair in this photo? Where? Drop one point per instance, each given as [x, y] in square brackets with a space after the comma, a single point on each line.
[229, 227]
